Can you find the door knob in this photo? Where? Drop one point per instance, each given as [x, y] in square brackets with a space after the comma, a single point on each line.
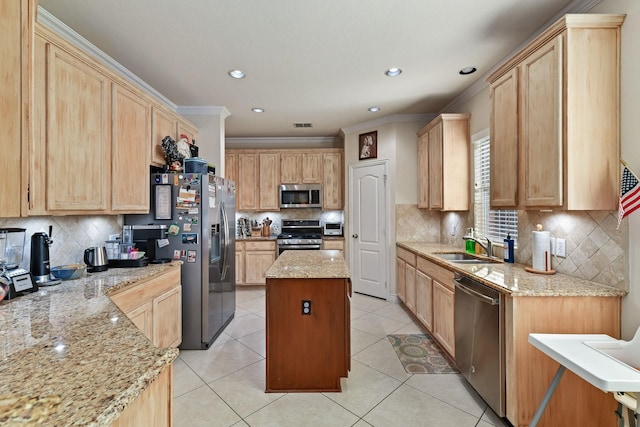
[355, 236]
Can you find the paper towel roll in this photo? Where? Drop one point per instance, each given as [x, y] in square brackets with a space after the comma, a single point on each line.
[541, 250]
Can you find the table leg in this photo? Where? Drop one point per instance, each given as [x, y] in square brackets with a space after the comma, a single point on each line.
[547, 396]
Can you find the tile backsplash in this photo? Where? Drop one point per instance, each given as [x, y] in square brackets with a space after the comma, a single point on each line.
[71, 234]
[595, 250]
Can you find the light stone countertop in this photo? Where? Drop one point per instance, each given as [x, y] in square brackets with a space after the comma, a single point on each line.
[69, 351]
[513, 279]
[320, 264]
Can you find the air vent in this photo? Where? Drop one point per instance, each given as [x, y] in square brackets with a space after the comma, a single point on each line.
[302, 125]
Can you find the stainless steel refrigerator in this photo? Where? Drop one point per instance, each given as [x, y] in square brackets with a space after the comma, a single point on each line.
[199, 213]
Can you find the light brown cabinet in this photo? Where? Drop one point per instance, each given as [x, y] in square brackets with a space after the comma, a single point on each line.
[300, 167]
[443, 162]
[246, 186]
[130, 151]
[311, 168]
[566, 85]
[253, 258]
[155, 306]
[15, 36]
[332, 182]
[164, 123]
[424, 298]
[269, 181]
[333, 245]
[404, 259]
[290, 168]
[443, 315]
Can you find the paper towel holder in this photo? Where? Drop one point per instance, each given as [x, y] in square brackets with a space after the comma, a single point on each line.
[531, 269]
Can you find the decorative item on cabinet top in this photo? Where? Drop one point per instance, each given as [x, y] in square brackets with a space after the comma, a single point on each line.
[176, 152]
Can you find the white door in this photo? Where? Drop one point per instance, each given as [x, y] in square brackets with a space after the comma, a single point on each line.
[368, 207]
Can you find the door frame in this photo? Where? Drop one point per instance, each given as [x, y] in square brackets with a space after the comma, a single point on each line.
[386, 221]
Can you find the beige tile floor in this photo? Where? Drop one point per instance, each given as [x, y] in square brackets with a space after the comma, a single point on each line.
[224, 385]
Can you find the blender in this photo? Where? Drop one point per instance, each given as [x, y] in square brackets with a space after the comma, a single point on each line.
[14, 281]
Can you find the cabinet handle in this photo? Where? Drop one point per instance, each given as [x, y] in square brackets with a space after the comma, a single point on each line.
[355, 236]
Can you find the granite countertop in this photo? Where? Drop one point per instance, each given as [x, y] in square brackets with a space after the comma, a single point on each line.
[321, 264]
[513, 279]
[69, 356]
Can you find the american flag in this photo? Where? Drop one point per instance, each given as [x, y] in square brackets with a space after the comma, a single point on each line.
[629, 194]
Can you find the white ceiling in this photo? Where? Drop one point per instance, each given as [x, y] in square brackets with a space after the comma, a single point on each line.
[319, 62]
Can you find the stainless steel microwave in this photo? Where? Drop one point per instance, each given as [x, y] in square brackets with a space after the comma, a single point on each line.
[301, 196]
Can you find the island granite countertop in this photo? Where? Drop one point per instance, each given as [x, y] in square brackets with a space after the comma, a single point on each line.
[69, 356]
[513, 279]
[316, 264]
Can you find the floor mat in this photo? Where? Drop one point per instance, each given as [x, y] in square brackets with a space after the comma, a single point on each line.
[420, 354]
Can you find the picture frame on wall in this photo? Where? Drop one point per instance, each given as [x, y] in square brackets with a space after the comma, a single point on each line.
[368, 145]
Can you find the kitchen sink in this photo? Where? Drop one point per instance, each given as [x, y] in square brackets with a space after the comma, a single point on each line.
[464, 258]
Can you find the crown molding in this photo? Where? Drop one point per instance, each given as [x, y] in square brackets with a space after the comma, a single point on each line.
[297, 142]
[393, 118]
[210, 110]
[576, 6]
[53, 23]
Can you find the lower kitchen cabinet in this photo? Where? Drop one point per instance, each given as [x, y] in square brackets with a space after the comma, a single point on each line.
[404, 259]
[424, 298]
[154, 407]
[154, 305]
[443, 315]
[333, 245]
[253, 258]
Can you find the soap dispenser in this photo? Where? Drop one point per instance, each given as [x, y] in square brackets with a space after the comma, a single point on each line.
[508, 249]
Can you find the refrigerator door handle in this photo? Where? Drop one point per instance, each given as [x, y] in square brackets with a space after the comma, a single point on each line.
[225, 250]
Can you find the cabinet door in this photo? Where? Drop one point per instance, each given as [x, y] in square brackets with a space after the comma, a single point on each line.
[443, 316]
[164, 124]
[76, 148]
[290, 168]
[131, 132]
[410, 288]
[257, 262]
[424, 299]
[268, 183]
[141, 316]
[231, 168]
[541, 170]
[247, 184]
[423, 170]
[311, 168]
[435, 167]
[401, 278]
[167, 318]
[504, 141]
[332, 182]
[11, 105]
[239, 266]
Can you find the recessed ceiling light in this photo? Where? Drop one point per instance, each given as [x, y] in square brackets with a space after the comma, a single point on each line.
[374, 109]
[257, 110]
[237, 74]
[392, 72]
[468, 70]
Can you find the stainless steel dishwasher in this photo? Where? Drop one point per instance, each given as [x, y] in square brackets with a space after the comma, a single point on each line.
[479, 331]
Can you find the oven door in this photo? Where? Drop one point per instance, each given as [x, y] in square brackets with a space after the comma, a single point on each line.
[282, 248]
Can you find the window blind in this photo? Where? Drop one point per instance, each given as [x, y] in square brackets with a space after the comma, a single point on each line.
[492, 223]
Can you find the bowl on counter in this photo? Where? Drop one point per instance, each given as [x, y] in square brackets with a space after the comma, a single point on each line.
[68, 271]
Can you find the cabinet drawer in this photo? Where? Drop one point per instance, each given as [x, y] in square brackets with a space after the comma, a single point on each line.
[407, 256]
[442, 275]
[132, 296]
[260, 246]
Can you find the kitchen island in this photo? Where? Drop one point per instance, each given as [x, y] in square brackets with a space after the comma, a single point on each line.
[308, 321]
[69, 356]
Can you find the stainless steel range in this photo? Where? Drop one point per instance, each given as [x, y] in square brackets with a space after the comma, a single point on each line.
[300, 234]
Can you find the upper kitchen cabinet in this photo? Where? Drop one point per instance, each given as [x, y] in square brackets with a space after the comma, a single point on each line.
[15, 39]
[565, 87]
[130, 151]
[443, 163]
[268, 184]
[300, 167]
[332, 194]
[71, 157]
[164, 123]
[247, 184]
[231, 167]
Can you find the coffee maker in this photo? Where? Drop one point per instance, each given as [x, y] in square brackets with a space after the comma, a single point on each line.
[40, 266]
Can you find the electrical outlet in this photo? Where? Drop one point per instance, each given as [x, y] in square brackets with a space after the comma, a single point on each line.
[453, 230]
[306, 307]
[561, 248]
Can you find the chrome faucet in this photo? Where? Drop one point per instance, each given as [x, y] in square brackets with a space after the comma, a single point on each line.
[488, 248]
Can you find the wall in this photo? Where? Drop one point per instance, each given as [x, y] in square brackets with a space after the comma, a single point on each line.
[71, 235]
[211, 142]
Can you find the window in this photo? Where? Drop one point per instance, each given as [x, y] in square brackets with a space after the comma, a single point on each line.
[492, 223]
